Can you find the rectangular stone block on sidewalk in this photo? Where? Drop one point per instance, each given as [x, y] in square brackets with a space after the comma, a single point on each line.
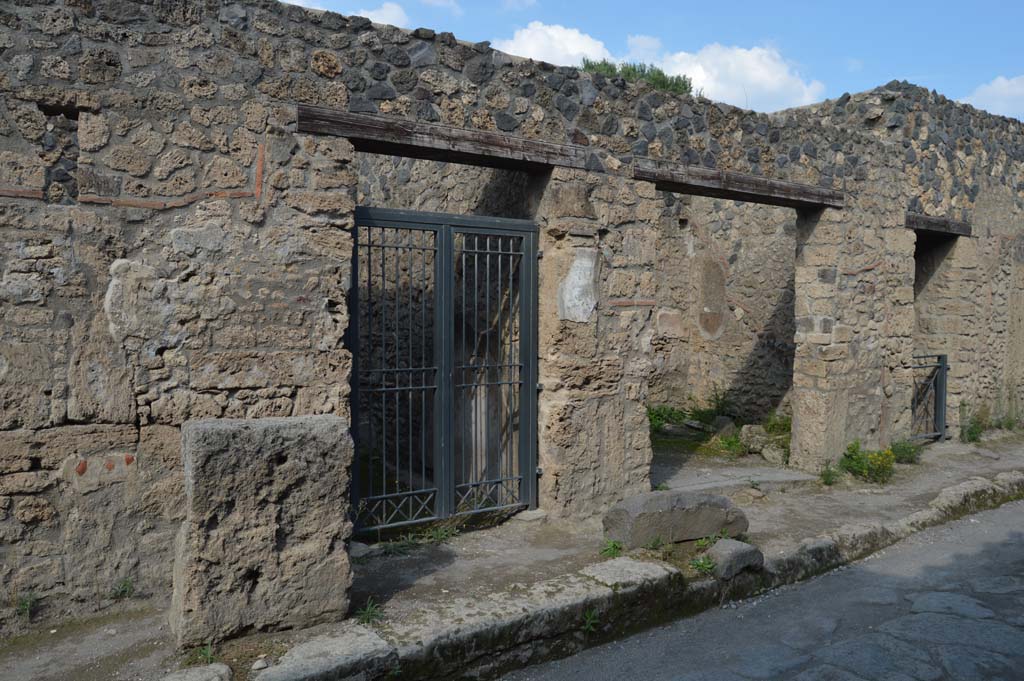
[262, 546]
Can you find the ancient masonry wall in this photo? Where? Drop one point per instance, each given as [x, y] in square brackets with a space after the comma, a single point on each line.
[173, 250]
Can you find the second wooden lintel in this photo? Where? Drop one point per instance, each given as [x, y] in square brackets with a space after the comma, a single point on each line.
[727, 184]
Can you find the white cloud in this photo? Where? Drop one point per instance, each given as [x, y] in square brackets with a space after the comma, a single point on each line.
[451, 5]
[643, 48]
[388, 13]
[754, 78]
[1003, 96]
[553, 43]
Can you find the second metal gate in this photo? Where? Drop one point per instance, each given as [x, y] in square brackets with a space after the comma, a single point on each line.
[928, 407]
[443, 333]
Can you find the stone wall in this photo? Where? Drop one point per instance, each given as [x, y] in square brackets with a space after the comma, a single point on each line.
[174, 251]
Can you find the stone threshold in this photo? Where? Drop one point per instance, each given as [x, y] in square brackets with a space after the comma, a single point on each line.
[487, 637]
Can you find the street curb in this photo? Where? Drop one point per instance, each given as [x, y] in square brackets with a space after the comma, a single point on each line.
[490, 636]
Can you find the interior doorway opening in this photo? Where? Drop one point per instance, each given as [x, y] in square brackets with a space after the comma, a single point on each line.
[935, 329]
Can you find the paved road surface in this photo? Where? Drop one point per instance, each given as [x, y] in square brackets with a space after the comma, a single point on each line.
[948, 603]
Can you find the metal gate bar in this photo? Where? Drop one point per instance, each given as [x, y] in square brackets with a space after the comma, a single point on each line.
[443, 333]
[928, 406]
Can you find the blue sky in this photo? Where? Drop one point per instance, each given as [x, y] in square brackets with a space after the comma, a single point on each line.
[765, 56]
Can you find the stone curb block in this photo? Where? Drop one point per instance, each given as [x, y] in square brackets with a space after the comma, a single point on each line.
[487, 637]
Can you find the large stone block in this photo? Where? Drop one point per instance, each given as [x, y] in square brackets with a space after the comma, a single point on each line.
[672, 516]
[263, 542]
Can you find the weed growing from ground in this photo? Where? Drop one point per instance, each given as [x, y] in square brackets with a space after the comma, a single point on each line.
[201, 655]
[661, 487]
[655, 544]
[906, 451]
[778, 424]
[718, 404]
[704, 565]
[370, 613]
[27, 605]
[123, 589]
[829, 474]
[705, 543]
[873, 466]
[973, 422]
[590, 621]
[611, 548]
[663, 414]
[438, 535]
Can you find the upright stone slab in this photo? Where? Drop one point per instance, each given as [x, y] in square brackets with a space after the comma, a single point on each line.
[262, 546]
[671, 516]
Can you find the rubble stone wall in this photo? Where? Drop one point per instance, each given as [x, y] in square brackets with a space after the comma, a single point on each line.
[174, 250]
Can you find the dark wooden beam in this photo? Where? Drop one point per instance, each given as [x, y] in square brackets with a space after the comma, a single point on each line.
[412, 139]
[927, 223]
[727, 184]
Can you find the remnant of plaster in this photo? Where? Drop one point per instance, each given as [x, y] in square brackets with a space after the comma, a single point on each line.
[577, 296]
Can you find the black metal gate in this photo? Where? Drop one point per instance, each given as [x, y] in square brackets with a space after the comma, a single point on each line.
[443, 332]
[929, 402]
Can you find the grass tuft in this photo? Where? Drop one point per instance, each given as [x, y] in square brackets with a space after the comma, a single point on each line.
[632, 72]
[829, 474]
[906, 451]
[370, 613]
[704, 565]
[611, 548]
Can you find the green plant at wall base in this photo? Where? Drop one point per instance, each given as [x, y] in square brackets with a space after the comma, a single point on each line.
[662, 414]
[438, 535]
[778, 424]
[26, 605]
[202, 655]
[370, 613]
[633, 72]
[829, 474]
[123, 589]
[655, 544]
[873, 466]
[611, 548]
[718, 404]
[705, 543]
[703, 565]
[973, 422]
[590, 621]
[661, 487]
[906, 451]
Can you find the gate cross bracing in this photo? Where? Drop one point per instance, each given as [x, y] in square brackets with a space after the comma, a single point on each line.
[443, 332]
[928, 406]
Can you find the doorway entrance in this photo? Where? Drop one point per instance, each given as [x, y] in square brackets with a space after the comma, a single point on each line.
[443, 333]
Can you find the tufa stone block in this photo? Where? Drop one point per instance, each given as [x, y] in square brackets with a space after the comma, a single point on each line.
[262, 546]
[732, 557]
[671, 516]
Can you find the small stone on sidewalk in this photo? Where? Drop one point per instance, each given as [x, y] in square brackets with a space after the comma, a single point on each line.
[732, 557]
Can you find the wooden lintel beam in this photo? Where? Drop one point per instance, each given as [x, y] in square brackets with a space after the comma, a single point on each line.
[927, 223]
[413, 139]
[727, 184]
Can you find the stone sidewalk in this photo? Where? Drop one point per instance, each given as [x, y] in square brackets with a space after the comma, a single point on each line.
[488, 601]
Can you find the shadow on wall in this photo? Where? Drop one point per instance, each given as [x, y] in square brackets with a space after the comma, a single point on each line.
[764, 380]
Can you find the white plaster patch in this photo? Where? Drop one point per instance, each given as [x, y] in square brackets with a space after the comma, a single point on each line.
[577, 295]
